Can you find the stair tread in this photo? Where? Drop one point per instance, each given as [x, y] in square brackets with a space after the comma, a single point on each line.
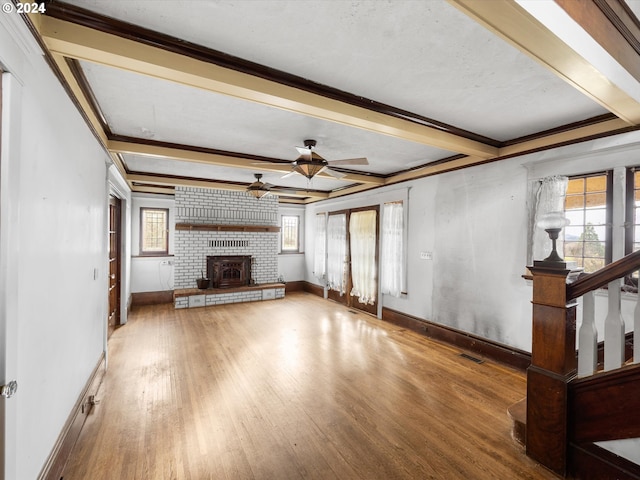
[518, 414]
[518, 411]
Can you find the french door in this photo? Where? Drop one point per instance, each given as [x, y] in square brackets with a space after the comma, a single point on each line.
[352, 258]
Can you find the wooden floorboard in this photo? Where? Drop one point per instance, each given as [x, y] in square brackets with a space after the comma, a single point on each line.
[295, 388]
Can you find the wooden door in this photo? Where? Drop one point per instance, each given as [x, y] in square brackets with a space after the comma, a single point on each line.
[346, 298]
[114, 265]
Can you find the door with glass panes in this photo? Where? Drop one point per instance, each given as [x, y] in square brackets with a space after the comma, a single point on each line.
[352, 257]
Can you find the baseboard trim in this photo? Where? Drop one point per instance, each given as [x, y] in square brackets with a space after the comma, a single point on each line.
[57, 460]
[152, 298]
[486, 348]
[313, 288]
[297, 286]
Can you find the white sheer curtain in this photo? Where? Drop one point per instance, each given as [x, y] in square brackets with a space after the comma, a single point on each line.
[392, 264]
[549, 198]
[320, 253]
[362, 231]
[337, 252]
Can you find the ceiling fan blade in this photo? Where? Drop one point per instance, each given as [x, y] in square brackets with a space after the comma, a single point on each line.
[333, 173]
[350, 161]
[291, 173]
[305, 152]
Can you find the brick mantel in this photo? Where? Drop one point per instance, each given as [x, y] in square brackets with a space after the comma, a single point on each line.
[222, 223]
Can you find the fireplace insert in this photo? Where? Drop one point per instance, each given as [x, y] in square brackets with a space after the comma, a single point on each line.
[226, 271]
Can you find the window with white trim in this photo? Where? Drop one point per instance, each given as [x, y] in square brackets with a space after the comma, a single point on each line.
[392, 260]
[320, 250]
[290, 234]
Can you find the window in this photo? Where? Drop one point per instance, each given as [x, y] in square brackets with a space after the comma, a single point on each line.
[290, 233]
[587, 239]
[633, 213]
[392, 266]
[320, 254]
[154, 228]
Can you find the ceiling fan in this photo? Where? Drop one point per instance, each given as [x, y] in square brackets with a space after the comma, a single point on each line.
[259, 189]
[309, 163]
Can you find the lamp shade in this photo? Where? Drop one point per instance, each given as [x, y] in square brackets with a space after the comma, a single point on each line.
[308, 168]
[257, 188]
[553, 220]
[258, 192]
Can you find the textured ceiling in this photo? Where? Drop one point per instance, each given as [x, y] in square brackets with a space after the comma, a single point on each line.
[430, 59]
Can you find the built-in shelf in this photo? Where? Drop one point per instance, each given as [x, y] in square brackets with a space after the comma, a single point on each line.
[208, 227]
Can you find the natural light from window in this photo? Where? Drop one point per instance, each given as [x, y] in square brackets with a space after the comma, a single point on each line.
[153, 231]
[586, 208]
[290, 233]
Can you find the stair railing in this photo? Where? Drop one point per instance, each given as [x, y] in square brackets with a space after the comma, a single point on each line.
[612, 276]
[553, 350]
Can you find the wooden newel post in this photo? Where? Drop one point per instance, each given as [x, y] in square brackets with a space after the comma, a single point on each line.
[553, 364]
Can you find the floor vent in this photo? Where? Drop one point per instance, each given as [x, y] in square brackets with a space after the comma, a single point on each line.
[473, 359]
[353, 311]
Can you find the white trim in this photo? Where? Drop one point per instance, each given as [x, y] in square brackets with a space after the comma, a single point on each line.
[17, 43]
[9, 267]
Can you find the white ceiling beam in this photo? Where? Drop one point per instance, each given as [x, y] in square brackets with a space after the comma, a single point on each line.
[84, 43]
[157, 151]
[152, 189]
[85, 105]
[535, 144]
[174, 182]
[519, 27]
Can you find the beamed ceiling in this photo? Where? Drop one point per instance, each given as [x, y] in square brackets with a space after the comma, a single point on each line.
[208, 93]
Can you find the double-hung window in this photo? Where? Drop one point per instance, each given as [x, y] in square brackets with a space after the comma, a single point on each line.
[587, 239]
[632, 239]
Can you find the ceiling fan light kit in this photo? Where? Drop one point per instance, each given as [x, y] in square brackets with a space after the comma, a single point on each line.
[309, 164]
[257, 188]
[308, 168]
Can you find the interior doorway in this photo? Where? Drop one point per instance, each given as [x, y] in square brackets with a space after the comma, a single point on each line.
[113, 318]
[352, 257]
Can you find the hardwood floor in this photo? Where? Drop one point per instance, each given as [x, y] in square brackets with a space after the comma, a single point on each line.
[295, 388]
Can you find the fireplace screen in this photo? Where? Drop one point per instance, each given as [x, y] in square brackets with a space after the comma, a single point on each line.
[229, 271]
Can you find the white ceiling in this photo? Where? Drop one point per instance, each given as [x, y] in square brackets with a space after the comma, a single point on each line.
[426, 57]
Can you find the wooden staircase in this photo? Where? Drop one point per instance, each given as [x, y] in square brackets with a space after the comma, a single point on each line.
[602, 407]
[518, 415]
[571, 404]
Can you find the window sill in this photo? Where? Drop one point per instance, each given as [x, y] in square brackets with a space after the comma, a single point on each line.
[291, 253]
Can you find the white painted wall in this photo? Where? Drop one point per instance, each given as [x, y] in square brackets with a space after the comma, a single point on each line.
[291, 265]
[151, 274]
[474, 222]
[59, 217]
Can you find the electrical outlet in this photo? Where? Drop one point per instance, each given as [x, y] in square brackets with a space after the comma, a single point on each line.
[426, 255]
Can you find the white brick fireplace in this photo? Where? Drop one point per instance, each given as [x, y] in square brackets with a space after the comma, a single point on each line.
[218, 222]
